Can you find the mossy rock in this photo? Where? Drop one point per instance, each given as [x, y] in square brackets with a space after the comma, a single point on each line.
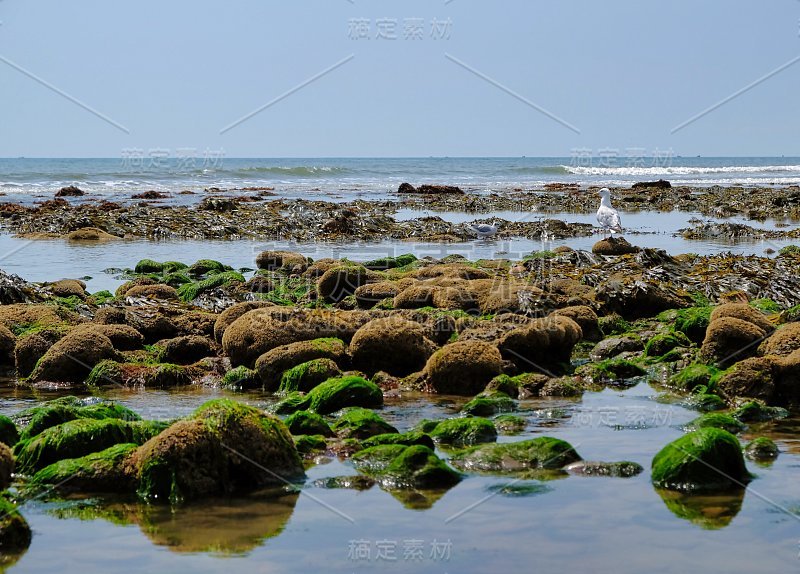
[765, 305]
[707, 459]
[717, 420]
[486, 405]
[386, 263]
[351, 391]
[755, 411]
[272, 364]
[6, 465]
[148, 266]
[509, 424]
[376, 459]
[761, 449]
[54, 413]
[611, 370]
[693, 376]
[360, 423]
[663, 343]
[102, 471]
[464, 431]
[706, 402]
[692, 322]
[15, 534]
[241, 378]
[308, 375]
[191, 291]
[9, 435]
[412, 467]
[539, 453]
[206, 266]
[410, 438]
[291, 403]
[308, 423]
[224, 448]
[309, 444]
[78, 438]
[624, 469]
[613, 325]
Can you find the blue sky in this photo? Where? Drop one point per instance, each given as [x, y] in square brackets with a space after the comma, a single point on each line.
[174, 74]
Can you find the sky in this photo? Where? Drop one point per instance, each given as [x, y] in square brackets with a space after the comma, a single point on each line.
[381, 78]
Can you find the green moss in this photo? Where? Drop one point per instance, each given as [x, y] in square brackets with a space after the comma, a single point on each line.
[100, 298]
[790, 250]
[663, 343]
[509, 424]
[8, 431]
[191, 291]
[755, 411]
[148, 266]
[761, 449]
[306, 376]
[289, 291]
[541, 255]
[307, 444]
[390, 262]
[376, 459]
[360, 423]
[106, 372]
[539, 453]
[693, 322]
[706, 402]
[351, 391]
[704, 460]
[464, 431]
[292, 403]
[766, 306]
[97, 472]
[176, 279]
[410, 438]
[55, 413]
[485, 405]
[418, 467]
[77, 438]
[241, 378]
[308, 423]
[15, 534]
[695, 375]
[206, 266]
[612, 370]
[613, 325]
[717, 420]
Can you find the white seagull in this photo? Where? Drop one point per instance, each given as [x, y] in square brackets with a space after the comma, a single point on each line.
[607, 216]
[484, 230]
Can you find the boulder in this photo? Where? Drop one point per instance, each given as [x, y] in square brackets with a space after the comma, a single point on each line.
[539, 453]
[744, 312]
[273, 363]
[761, 449]
[750, 378]
[308, 375]
[185, 350]
[157, 291]
[232, 313]
[542, 344]
[342, 280]
[308, 423]
[67, 288]
[614, 246]
[394, 345]
[729, 340]
[360, 423]
[467, 431]
[70, 191]
[660, 184]
[15, 534]
[9, 435]
[72, 358]
[783, 341]
[613, 346]
[103, 471]
[463, 368]
[586, 318]
[282, 260]
[90, 234]
[6, 466]
[404, 467]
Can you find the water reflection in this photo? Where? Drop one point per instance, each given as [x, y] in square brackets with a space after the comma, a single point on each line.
[224, 527]
[708, 511]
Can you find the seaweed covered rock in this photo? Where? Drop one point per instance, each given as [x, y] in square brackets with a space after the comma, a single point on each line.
[783, 341]
[360, 423]
[399, 467]
[743, 312]
[539, 453]
[693, 376]
[334, 395]
[232, 313]
[224, 448]
[79, 437]
[6, 466]
[65, 409]
[488, 404]
[15, 534]
[787, 379]
[308, 423]
[122, 337]
[308, 375]
[466, 431]
[693, 322]
[282, 260]
[393, 344]
[273, 363]
[751, 378]
[614, 246]
[717, 420]
[241, 378]
[9, 435]
[761, 449]
[633, 298]
[157, 291]
[185, 350]
[8, 342]
[624, 469]
[410, 438]
[586, 318]
[342, 280]
[72, 358]
[708, 459]
[463, 368]
[663, 343]
[103, 471]
[729, 339]
[544, 343]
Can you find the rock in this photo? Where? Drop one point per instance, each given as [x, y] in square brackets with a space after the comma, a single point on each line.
[360, 423]
[614, 246]
[72, 358]
[369, 295]
[225, 448]
[761, 449]
[157, 291]
[488, 404]
[385, 263]
[660, 184]
[613, 346]
[663, 343]
[693, 322]
[744, 312]
[693, 376]
[150, 194]
[79, 437]
[614, 324]
[406, 188]
[610, 370]
[709, 459]
[334, 395]
[463, 368]
[261, 330]
[109, 316]
[7, 344]
[415, 467]
[751, 378]
[308, 375]
[259, 284]
[232, 313]
[633, 298]
[151, 323]
[122, 337]
[282, 260]
[6, 466]
[123, 289]
[15, 534]
[273, 363]
[538, 453]
[394, 345]
[309, 444]
[206, 266]
[755, 411]
[67, 288]
[410, 438]
[783, 341]
[9, 435]
[509, 424]
[623, 469]
[465, 431]
[69, 191]
[90, 234]
[308, 423]
[241, 378]
[544, 344]
[729, 340]
[717, 420]
[586, 319]
[28, 350]
[787, 379]
[342, 280]
[185, 350]
[102, 471]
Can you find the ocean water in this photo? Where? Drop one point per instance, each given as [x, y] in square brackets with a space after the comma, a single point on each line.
[374, 177]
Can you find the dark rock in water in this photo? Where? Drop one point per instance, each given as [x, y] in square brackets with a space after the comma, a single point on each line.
[430, 189]
[397, 466]
[359, 423]
[15, 534]
[70, 191]
[538, 453]
[406, 188]
[660, 184]
[186, 350]
[218, 204]
[6, 466]
[614, 246]
[466, 431]
[708, 459]
[151, 194]
[613, 346]
[761, 449]
[624, 469]
[14, 289]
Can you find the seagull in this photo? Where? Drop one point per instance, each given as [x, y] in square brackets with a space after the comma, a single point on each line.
[607, 216]
[484, 230]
